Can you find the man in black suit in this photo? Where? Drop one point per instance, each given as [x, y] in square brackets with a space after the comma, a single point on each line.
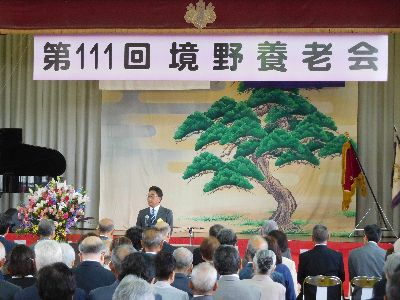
[117, 257]
[184, 264]
[90, 273]
[148, 217]
[320, 261]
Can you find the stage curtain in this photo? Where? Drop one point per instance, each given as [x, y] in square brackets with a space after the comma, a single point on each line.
[378, 111]
[62, 115]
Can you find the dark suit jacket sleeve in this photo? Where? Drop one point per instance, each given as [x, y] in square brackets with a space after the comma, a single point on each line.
[301, 272]
[341, 267]
[170, 219]
[352, 271]
[139, 220]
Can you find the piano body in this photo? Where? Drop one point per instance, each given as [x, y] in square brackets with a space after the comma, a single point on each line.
[22, 166]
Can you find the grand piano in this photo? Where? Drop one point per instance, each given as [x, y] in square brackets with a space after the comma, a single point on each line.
[22, 165]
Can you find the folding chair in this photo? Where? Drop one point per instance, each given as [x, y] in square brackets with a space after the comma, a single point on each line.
[361, 287]
[322, 283]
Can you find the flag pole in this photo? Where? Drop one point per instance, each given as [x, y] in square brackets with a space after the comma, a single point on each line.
[382, 214]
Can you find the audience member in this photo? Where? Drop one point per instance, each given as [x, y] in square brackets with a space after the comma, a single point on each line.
[396, 246]
[14, 222]
[282, 269]
[207, 249]
[140, 265]
[264, 264]
[230, 287]
[7, 290]
[282, 240]
[135, 235]
[227, 237]
[106, 229]
[165, 232]
[320, 261]
[22, 267]
[68, 254]
[254, 244]
[212, 232]
[267, 227]
[133, 288]
[118, 255]
[90, 273]
[282, 243]
[152, 241]
[391, 264]
[165, 266]
[184, 264]
[119, 241]
[5, 223]
[369, 259]
[203, 282]
[393, 286]
[46, 229]
[57, 282]
[47, 252]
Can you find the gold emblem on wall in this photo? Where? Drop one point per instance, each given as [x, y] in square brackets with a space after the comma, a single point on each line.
[200, 15]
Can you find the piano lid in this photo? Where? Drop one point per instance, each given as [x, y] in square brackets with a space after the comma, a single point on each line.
[21, 159]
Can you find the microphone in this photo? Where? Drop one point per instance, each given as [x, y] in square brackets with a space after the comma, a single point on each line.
[146, 220]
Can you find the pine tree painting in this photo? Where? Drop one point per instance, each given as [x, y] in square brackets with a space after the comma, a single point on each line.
[273, 126]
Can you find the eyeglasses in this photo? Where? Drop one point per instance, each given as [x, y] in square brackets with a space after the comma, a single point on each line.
[151, 196]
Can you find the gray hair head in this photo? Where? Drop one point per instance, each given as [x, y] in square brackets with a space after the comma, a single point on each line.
[392, 286]
[268, 226]
[152, 237]
[47, 252]
[106, 225]
[227, 236]
[91, 245]
[118, 255]
[183, 258]
[254, 244]
[46, 228]
[264, 261]
[164, 228]
[391, 263]
[68, 254]
[320, 233]
[204, 277]
[133, 288]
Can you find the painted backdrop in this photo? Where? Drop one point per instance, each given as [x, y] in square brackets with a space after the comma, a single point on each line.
[232, 155]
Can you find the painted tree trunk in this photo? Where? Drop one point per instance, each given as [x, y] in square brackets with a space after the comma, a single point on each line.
[284, 198]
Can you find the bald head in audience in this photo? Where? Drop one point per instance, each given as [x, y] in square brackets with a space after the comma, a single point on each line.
[106, 229]
[92, 248]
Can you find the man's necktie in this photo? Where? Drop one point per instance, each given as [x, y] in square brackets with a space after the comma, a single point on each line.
[152, 216]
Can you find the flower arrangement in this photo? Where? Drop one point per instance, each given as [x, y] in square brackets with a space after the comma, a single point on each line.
[56, 201]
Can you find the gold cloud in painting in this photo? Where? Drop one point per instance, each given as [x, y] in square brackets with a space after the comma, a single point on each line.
[177, 167]
[111, 96]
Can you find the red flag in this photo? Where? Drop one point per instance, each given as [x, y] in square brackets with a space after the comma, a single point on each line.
[351, 175]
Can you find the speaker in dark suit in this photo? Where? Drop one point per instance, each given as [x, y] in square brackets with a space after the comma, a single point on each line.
[148, 217]
[320, 261]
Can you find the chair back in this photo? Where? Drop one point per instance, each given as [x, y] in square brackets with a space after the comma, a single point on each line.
[322, 283]
[361, 287]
